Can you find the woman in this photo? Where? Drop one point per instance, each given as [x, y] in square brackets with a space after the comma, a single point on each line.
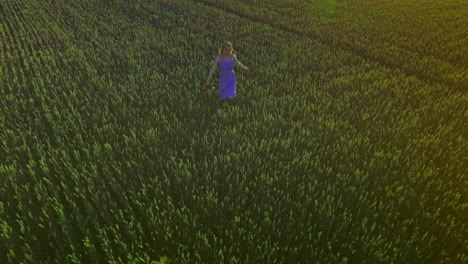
[227, 77]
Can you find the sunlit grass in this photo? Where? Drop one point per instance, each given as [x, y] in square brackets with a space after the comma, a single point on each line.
[334, 151]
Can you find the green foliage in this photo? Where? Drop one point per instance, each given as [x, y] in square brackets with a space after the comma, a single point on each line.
[347, 142]
[322, 11]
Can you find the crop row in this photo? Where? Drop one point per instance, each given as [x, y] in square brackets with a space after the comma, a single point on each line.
[377, 32]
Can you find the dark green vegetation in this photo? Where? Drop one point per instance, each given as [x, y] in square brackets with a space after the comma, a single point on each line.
[347, 144]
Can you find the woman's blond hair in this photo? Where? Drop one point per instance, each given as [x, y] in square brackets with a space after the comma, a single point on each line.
[226, 43]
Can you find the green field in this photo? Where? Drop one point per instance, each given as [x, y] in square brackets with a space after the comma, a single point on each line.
[347, 142]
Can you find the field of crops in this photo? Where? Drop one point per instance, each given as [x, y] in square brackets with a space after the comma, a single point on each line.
[347, 142]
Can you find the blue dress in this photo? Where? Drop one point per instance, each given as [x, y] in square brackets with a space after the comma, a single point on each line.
[227, 80]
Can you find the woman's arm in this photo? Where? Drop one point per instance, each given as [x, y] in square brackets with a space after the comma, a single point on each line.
[238, 63]
[213, 69]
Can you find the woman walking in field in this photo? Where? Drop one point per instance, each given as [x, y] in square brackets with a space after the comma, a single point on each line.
[227, 78]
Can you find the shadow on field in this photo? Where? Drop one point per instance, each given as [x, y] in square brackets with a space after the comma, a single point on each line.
[212, 103]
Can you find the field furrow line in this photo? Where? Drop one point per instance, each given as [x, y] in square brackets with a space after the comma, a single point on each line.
[18, 39]
[7, 30]
[421, 76]
[27, 58]
[25, 37]
[23, 49]
[11, 44]
[35, 45]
